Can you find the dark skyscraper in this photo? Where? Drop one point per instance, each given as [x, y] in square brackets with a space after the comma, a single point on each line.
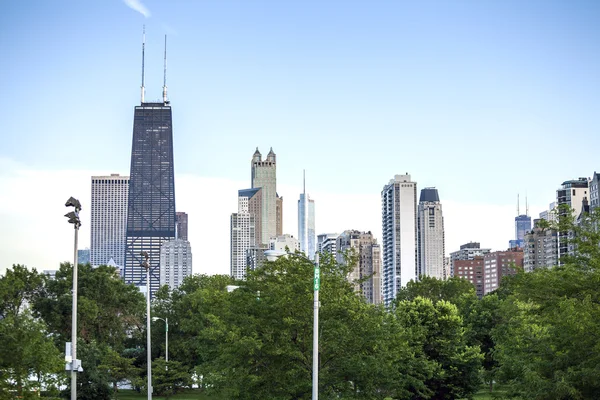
[151, 205]
[182, 225]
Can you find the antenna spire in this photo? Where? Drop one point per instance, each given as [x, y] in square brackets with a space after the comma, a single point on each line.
[526, 206]
[304, 181]
[165, 75]
[143, 51]
[518, 205]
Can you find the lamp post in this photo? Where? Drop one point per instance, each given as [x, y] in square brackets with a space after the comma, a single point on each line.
[145, 264]
[166, 320]
[272, 255]
[74, 219]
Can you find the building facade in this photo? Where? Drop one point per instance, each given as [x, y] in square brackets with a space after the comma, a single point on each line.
[467, 252]
[399, 230]
[175, 262]
[472, 270]
[541, 248]
[366, 274]
[431, 248]
[327, 243]
[182, 225]
[284, 243]
[151, 204]
[306, 225]
[572, 193]
[498, 264]
[108, 222]
[264, 175]
[245, 230]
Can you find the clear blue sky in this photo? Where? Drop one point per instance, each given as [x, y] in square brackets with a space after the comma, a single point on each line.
[482, 99]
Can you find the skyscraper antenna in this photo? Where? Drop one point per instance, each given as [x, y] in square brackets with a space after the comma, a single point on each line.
[526, 206]
[143, 51]
[518, 204]
[165, 75]
[304, 181]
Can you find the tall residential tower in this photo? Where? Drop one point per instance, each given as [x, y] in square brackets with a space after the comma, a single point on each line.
[399, 230]
[264, 175]
[430, 235]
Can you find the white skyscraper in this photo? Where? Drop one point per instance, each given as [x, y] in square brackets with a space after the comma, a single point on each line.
[245, 229]
[175, 262]
[399, 230]
[430, 235]
[306, 224]
[108, 219]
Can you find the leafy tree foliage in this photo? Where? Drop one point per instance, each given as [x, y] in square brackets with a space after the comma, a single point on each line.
[169, 378]
[436, 332]
[26, 350]
[548, 344]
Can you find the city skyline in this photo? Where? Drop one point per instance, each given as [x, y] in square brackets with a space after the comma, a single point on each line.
[312, 85]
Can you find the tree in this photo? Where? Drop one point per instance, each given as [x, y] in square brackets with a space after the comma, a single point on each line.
[118, 368]
[26, 349]
[436, 332]
[169, 378]
[548, 341]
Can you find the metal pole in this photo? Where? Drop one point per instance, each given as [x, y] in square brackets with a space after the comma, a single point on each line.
[148, 328]
[74, 323]
[315, 376]
[167, 339]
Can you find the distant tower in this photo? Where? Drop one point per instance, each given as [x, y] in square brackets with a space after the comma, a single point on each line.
[399, 228]
[182, 225]
[264, 175]
[175, 262]
[522, 224]
[151, 204]
[430, 235]
[306, 223]
[108, 219]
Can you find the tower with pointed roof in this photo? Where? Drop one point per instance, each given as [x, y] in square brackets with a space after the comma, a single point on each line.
[264, 175]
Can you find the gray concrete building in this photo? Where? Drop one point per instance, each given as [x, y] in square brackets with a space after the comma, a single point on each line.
[541, 248]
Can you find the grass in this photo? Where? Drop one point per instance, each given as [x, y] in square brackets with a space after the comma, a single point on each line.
[188, 395]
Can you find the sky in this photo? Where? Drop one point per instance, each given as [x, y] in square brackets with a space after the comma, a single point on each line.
[483, 100]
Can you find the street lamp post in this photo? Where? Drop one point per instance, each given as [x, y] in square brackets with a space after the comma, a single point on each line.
[145, 264]
[272, 255]
[166, 320]
[74, 219]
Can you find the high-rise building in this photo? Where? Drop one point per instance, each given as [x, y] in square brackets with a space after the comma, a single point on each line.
[175, 262]
[430, 237]
[151, 206]
[541, 248]
[245, 230]
[264, 175]
[399, 228]
[306, 224]
[472, 270]
[366, 274]
[499, 264]
[522, 225]
[326, 243]
[572, 194]
[467, 251]
[182, 225]
[108, 225]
